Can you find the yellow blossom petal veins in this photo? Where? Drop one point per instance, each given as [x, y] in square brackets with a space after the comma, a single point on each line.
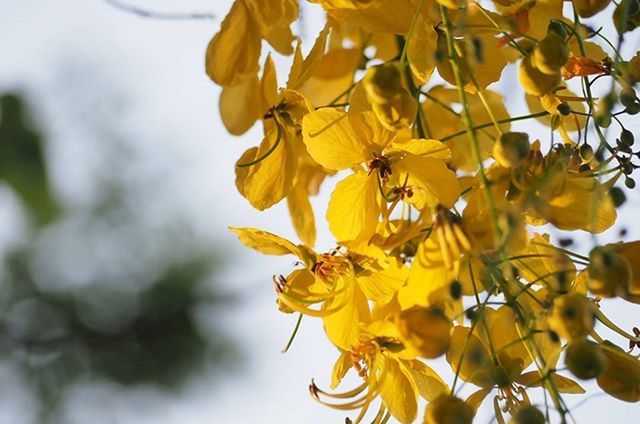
[429, 384]
[331, 141]
[354, 207]
[343, 326]
[398, 393]
[380, 286]
[270, 180]
[434, 182]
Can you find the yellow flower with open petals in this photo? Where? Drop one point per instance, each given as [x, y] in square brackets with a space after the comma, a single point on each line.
[390, 372]
[411, 170]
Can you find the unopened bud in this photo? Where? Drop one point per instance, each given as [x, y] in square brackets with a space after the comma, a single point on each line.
[448, 409]
[571, 316]
[427, 330]
[510, 148]
[584, 359]
[609, 273]
[382, 83]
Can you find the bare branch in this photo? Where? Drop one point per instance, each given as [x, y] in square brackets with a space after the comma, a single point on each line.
[143, 13]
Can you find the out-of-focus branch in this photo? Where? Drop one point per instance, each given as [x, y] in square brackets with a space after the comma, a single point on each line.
[144, 13]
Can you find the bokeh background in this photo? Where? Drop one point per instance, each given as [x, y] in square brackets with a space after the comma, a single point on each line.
[123, 297]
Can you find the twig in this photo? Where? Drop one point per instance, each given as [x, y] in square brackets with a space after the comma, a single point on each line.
[143, 13]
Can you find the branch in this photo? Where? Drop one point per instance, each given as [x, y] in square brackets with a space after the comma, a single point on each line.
[143, 13]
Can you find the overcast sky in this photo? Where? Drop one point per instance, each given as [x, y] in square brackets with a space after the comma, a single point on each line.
[160, 65]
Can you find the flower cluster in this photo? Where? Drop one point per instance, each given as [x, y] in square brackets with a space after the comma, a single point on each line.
[440, 208]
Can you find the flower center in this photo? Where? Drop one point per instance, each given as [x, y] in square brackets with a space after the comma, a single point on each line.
[382, 164]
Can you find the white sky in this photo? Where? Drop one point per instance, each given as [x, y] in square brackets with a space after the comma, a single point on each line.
[161, 64]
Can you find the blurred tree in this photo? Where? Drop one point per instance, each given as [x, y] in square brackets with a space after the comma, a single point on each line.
[121, 331]
[22, 164]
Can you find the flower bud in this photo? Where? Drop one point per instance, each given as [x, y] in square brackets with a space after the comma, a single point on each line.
[534, 81]
[448, 409]
[427, 330]
[571, 316]
[397, 113]
[586, 153]
[510, 148]
[609, 274]
[382, 83]
[550, 54]
[588, 8]
[584, 359]
[528, 415]
[557, 28]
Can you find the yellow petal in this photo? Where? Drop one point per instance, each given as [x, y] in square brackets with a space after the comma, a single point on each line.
[564, 384]
[332, 76]
[580, 206]
[421, 52]
[270, 180]
[268, 243]
[380, 286]
[273, 19]
[354, 207]
[429, 384]
[470, 359]
[422, 147]
[631, 253]
[340, 369]
[621, 375]
[302, 69]
[548, 268]
[241, 173]
[432, 182]
[506, 340]
[479, 69]
[443, 123]
[301, 284]
[301, 213]
[476, 398]
[371, 131]
[273, 13]
[233, 53]
[398, 394]
[280, 38]
[331, 141]
[240, 106]
[343, 326]
[429, 278]
[390, 17]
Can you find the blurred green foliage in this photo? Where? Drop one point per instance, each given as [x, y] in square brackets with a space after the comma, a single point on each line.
[108, 330]
[22, 163]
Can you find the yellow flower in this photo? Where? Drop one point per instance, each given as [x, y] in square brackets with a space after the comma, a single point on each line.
[493, 356]
[410, 170]
[554, 189]
[389, 371]
[334, 286]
